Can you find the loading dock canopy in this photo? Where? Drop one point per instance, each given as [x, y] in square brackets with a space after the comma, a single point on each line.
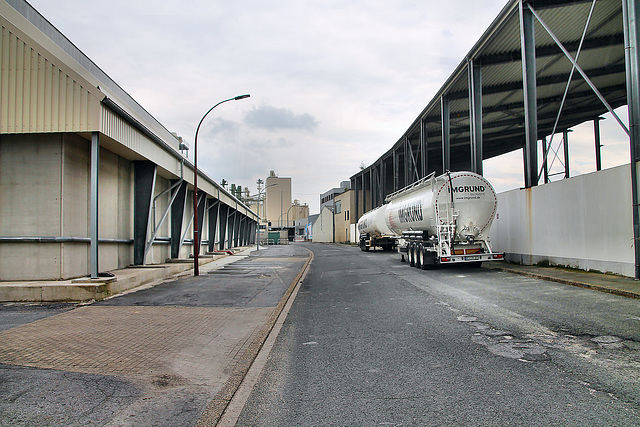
[495, 103]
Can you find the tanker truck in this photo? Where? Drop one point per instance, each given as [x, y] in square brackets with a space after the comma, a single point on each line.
[437, 220]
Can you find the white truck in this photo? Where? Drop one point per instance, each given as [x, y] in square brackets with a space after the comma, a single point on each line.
[437, 220]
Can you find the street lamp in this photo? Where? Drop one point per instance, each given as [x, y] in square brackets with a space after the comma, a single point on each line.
[196, 235]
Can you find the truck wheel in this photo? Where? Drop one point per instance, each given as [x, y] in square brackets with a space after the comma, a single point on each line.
[418, 256]
[428, 259]
[412, 255]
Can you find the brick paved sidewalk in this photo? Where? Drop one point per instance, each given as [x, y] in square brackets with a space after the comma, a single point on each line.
[168, 351]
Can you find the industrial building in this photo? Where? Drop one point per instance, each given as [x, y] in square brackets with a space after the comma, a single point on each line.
[281, 212]
[89, 180]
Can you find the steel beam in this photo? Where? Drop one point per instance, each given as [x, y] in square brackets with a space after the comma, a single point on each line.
[383, 181]
[527, 43]
[93, 221]
[202, 203]
[224, 218]
[565, 145]
[578, 68]
[446, 133]
[143, 188]
[177, 217]
[175, 187]
[354, 185]
[374, 192]
[545, 163]
[631, 24]
[364, 195]
[596, 132]
[232, 226]
[396, 177]
[424, 134]
[214, 209]
[407, 164]
[475, 113]
[237, 237]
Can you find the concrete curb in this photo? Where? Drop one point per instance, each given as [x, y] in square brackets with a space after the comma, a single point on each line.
[214, 411]
[571, 282]
[86, 289]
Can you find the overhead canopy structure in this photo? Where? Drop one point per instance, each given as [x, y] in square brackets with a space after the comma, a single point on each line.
[542, 67]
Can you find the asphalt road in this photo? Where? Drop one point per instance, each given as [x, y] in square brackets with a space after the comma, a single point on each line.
[371, 341]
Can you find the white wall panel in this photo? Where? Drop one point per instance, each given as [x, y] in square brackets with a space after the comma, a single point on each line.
[583, 222]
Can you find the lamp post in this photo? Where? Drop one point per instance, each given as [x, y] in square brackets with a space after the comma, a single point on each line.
[196, 235]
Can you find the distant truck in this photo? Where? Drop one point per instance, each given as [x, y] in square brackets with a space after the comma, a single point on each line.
[437, 220]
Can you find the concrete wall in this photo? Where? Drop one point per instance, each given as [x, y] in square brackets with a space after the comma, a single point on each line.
[583, 222]
[44, 192]
[323, 227]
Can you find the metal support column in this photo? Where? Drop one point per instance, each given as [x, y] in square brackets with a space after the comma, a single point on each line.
[202, 203]
[407, 163]
[446, 134]
[565, 145]
[374, 187]
[213, 224]
[95, 163]
[364, 195]
[240, 230]
[423, 149]
[631, 24]
[371, 192]
[232, 226]
[143, 188]
[356, 196]
[177, 217]
[528, 46]
[224, 218]
[596, 132]
[396, 177]
[475, 115]
[545, 164]
[382, 181]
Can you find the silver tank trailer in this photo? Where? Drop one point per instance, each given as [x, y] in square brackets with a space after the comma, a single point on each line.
[447, 218]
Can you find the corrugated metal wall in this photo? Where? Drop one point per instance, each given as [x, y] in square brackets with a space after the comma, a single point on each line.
[39, 96]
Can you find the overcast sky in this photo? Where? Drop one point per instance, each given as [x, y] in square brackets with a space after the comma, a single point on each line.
[333, 83]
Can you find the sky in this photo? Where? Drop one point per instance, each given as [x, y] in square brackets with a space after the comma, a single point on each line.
[333, 83]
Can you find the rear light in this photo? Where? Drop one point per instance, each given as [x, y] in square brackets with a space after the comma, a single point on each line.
[498, 256]
[445, 259]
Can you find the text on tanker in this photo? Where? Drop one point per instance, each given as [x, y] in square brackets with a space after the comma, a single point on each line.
[410, 212]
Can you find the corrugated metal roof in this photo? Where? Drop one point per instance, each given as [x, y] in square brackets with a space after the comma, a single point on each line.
[499, 53]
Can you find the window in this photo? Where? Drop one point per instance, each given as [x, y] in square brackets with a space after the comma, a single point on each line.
[338, 206]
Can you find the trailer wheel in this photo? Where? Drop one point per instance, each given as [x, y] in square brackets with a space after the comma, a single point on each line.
[428, 259]
[412, 255]
[418, 249]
